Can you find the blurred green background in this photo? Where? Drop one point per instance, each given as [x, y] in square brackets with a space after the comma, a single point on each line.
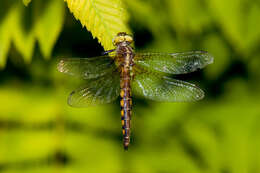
[39, 132]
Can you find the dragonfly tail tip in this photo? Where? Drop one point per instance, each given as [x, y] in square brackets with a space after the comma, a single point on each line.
[126, 148]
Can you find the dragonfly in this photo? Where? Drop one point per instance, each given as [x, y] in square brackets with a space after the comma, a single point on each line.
[121, 71]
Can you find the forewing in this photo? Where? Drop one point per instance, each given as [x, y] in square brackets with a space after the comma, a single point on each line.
[173, 63]
[101, 90]
[87, 68]
[163, 88]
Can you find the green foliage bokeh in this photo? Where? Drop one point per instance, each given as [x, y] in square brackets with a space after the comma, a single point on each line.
[39, 132]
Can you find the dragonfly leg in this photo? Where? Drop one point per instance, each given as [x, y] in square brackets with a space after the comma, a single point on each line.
[108, 51]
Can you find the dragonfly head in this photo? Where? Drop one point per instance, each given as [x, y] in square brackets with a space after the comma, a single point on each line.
[122, 37]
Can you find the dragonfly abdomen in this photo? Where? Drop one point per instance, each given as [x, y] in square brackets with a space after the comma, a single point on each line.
[126, 104]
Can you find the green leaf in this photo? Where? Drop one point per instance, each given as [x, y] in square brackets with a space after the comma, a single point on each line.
[26, 2]
[103, 18]
[49, 21]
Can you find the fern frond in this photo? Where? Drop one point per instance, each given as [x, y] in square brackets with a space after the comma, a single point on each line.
[5, 41]
[103, 18]
[12, 30]
[23, 38]
[49, 24]
[23, 32]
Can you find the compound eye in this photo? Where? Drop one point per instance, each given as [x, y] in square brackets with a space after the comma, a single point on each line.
[128, 39]
[116, 40]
